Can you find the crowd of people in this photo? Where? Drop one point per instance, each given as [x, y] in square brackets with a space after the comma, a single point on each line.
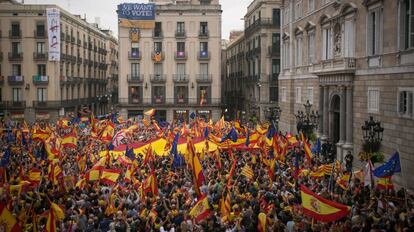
[94, 205]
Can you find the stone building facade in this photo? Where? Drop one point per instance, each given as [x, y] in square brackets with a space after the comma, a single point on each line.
[175, 68]
[32, 86]
[351, 60]
[253, 62]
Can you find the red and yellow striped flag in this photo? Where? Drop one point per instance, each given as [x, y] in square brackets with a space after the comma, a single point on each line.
[35, 175]
[8, 220]
[261, 226]
[247, 172]
[321, 209]
[110, 176]
[201, 209]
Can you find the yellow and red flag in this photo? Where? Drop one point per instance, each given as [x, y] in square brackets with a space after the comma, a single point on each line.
[35, 175]
[247, 172]
[108, 132]
[197, 168]
[110, 176]
[150, 184]
[343, 181]
[308, 152]
[150, 112]
[70, 140]
[321, 209]
[55, 213]
[225, 206]
[93, 175]
[201, 209]
[385, 183]
[261, 226]
[8, 220]
[233, 167]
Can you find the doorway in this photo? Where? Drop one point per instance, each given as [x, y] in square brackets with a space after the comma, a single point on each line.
[335, 109]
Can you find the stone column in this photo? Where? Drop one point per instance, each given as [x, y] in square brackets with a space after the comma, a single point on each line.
[321, 98]
[325, 113]
[349, 119]
[342, 123]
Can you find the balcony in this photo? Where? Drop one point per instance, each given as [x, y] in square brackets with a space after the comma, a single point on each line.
[204, 78]
[17, 104]
[158, 100]
[180, 55]
[181, 100]
[260, 23]
[273, 50]
[15, 80]
[158, 78]
[136, 78]
[180, 78]
[342, 65]
[72, 40]
[158, 56]
[79, 42]
[157, 34]
[67, 38]
[40, 56]
[134, 55]
[15, 34]
[203, 34]
[40, 80]
[180, 34]
[39, 34]
[15, 56]
[1, 80]
[50, 104]
[203, 55]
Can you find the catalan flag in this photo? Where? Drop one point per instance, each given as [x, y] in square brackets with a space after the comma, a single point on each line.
[8, 220]
[247, 172]
[201, 209]
[321, 209]
[225, 206]
[233, 167]
[308, 152]
[110, 176]
[343, 181]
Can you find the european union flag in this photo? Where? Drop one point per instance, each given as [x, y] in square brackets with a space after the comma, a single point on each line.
[129, 153]
[392, 166]
[271, 131]
[178, 161]
[317, 148]
[232, 135]
[5, 159]
[247, 138]
[192, 115]
[174, 150]
[206, 132]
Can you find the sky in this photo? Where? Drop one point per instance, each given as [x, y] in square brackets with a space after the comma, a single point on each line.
[233, 11]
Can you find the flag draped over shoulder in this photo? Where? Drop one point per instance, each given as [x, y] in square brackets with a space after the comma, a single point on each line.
[392, 166]
[321, 209]
[8, 220]
[201, 209]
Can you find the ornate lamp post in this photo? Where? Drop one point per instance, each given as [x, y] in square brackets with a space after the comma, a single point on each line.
[372, 134]
[307, 121]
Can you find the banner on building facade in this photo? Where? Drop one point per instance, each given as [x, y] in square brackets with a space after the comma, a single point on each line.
[136, 15]
[53, 32]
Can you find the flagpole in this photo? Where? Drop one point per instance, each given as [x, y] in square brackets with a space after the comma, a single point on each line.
[404, 180]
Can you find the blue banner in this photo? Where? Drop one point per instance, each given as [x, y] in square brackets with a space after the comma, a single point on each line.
[136, 11]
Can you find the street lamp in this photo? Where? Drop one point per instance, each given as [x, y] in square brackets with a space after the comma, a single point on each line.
[307, 121]
[372, 134]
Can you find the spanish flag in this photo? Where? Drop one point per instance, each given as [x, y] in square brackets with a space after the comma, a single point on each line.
[343, 181]
[233, 167]
[201, 209]
[35, 175]
[385, 183]
[225, 206]
[55, 213]
[108, 132]
[308, 151]
[93, 175]
[110, 176]
[8, 220]
[321, 209]
[150, 184]
[197, 168]
[70, 140]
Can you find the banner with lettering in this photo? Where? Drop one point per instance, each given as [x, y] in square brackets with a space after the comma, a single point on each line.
[136, 15]
[53, 32]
